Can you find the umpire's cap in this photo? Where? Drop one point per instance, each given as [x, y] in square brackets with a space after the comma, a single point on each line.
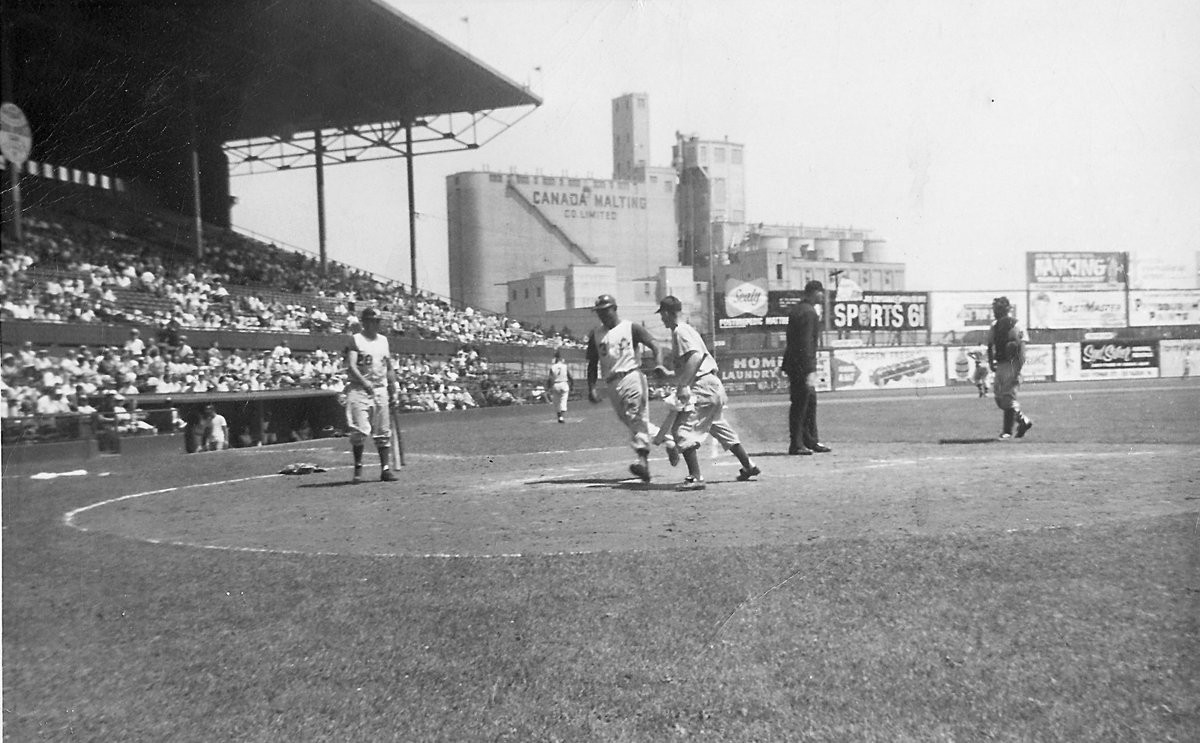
[669, 304]
[369, 313]
[604, 301]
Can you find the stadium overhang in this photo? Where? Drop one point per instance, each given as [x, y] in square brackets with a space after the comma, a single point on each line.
[141, 88]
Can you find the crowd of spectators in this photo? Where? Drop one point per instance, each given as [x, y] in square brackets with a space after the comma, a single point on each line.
[69, 270]
[35, 382]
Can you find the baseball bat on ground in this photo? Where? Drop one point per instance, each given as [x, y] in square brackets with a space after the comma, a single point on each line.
[397, 441]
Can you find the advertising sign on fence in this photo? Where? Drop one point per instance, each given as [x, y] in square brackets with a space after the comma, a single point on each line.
[896, 367]
[749, 305]
[883, 311]
[1076, 309]
[1082, 270]
[1109, 359]
[1153, 308]
[1179, 358]
[963, 312]
[758, 372]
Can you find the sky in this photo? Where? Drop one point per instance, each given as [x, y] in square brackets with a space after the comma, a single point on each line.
[963, 133]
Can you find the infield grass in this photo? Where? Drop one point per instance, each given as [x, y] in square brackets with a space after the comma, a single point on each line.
[1051, 634]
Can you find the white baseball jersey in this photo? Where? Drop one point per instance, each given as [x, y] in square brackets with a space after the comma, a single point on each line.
[618, 354]
[372, 359]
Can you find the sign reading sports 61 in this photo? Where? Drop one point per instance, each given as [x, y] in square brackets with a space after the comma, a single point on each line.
[16, 138]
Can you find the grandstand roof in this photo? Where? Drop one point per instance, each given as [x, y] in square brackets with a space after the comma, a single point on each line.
[107, 71]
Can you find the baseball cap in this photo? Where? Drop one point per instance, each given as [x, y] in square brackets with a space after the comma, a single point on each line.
[814, 286]
[369, 313]
[670, 304]
[604, 301]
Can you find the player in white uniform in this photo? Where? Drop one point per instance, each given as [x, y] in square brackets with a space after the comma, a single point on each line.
[558, 381]
[370, 391]
[696, 379]
[614, 353]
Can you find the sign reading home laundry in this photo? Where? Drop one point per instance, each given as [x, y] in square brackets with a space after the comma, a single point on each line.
[883, 311]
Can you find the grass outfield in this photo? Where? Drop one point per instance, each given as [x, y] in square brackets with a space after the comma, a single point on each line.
[921, 583]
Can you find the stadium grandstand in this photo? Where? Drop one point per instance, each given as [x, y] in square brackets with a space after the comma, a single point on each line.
[127, 301]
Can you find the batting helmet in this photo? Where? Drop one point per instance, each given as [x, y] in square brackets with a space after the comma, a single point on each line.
[604, 301]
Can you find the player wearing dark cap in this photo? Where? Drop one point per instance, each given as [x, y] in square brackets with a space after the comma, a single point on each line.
[614, 351]
[370, 392]
[1006, 354]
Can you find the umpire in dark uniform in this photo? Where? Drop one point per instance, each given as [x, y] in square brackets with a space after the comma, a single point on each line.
[800, 364]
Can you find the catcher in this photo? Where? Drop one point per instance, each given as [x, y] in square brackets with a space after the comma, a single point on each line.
[1006, 355]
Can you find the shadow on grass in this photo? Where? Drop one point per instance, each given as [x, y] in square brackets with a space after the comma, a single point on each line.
[339, 484]
[967, 441]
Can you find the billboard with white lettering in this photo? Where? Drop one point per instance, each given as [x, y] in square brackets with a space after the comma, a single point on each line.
[888, 311]
[759, 372]
[962, 312]
[1107, 359]
[747, 304]
[1080, 270]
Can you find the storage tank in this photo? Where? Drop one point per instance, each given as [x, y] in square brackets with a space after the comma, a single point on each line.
[848, 248]
[797, 246]
[772, 242]
[876, 251]
[828, 248]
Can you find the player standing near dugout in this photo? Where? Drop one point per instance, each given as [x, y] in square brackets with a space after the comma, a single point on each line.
[696, 379]
[370, 393]
[558, 382]
[1006, 354]
[614, 350]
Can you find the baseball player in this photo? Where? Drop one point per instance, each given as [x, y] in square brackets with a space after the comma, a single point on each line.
[1006, 356]
[696, 380]
[614, 351]
[370, 391]
[558, 381]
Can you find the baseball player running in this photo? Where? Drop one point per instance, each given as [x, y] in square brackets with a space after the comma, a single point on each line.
[614, 351]
[696, 380]
[1006, 355]
[370, 391]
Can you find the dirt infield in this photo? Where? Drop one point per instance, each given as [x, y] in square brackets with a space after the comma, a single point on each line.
[511, 481]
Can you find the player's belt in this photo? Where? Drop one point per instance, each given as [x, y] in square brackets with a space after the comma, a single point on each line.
[618, 375]
[699, 376]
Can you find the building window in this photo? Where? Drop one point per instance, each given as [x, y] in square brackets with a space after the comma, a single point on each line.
[527, 292]
[514, 295]
[539, 292]
[779, 271]
[719, 154]
[735, 156]
[522, 179]
[654, 179]
[703, 154]
[495, 177]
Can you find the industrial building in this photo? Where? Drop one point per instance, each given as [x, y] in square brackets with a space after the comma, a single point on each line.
[540, 248]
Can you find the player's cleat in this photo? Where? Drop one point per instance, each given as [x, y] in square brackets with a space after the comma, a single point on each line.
[673, 455]
[1005, 436]
[691, 483]
[799, 450]
[387, 476]
[640, 470]
[561, 419]
[821, 448]
[745, 474]
[1023, 426]
[358, 475]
